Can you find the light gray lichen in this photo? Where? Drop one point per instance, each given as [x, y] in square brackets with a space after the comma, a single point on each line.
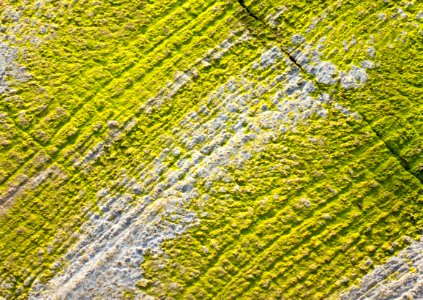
[401, 277]
[298, 39]
[152, 207]
[14, 34]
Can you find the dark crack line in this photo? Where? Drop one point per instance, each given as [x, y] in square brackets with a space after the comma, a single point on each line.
[291, 58]
[242, 3]
[402, 161]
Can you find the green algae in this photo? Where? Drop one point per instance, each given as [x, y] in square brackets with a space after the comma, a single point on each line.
[107, 60]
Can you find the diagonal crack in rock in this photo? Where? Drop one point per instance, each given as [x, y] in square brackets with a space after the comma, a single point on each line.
[286, 52]
[402, 161]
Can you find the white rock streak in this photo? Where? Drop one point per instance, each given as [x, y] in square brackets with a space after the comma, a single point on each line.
[401, 277]
[227, 130]
[14, 34]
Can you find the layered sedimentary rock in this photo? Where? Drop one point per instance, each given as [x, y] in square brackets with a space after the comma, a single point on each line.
[210, 149]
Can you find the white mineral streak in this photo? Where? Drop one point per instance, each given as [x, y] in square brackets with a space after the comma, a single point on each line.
[166, 93]
[9, 69]
[401, 277]
[227, 130]
[106, 261]
[15, 32]
[326, 72]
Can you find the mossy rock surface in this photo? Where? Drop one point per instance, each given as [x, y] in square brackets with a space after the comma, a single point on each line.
[181, 149]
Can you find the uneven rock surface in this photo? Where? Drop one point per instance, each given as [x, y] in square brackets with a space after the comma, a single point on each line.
[180, 149]
[401, 277]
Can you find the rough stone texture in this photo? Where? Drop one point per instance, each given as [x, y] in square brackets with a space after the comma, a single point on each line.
[210, 150]
[115, 242]
[401, 277]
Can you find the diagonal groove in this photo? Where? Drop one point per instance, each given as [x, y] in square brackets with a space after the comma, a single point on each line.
[286, 52]
[401, 160]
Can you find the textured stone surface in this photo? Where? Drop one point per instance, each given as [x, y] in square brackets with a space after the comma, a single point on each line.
[401, 277]
[210, 149]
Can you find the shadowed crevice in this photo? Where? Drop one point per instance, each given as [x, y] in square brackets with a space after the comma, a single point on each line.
[392, 151]
[287, 53]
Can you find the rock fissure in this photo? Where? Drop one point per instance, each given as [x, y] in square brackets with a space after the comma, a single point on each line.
[242, 3]
[403, 163]
[248, 141]
[286, 52]
[393, 153]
